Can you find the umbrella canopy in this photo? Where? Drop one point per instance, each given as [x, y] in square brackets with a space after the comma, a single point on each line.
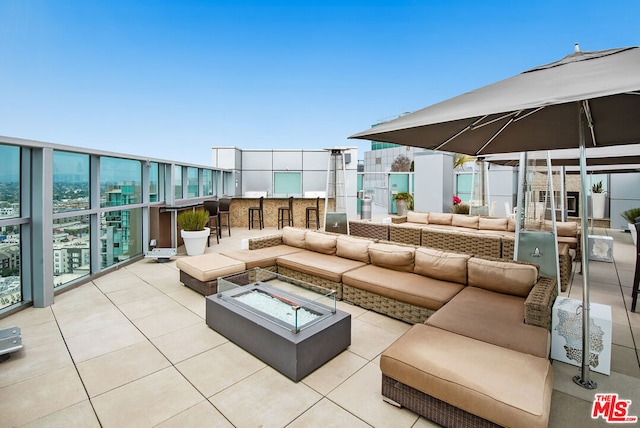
[538, 109]
[596, 157]
[586, 99]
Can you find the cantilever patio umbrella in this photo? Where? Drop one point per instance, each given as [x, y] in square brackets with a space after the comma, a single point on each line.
[586, 99]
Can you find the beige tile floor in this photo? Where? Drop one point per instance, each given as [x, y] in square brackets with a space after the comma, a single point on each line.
[131, 349]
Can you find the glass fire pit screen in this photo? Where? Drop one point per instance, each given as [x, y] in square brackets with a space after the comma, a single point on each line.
[290, 303]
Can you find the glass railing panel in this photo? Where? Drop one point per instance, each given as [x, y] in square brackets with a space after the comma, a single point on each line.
[71, 249]
[10, 278]
[120, 182]
[70, 181]
[120, 236]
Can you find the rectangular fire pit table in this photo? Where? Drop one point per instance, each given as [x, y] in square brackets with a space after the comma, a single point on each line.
[290, 324]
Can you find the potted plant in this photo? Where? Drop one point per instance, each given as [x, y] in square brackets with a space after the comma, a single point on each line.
[630, 216]
[459, 207]
[598, 199]
[194, 233]
[404, 201]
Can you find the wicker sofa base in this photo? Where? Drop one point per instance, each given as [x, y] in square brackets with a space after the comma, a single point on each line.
[207, 288]
[384, 305]
[431, 408]
[312, 279]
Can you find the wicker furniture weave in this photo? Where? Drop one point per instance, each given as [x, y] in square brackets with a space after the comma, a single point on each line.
[405, 234]
[265, 242]
[539, 303]
[485, 246]
[312, 279]
[431, 408]
[564, 258]
[206, 288]
[367, 229]
[384, 305]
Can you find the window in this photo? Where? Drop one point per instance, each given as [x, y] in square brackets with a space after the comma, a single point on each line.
[207, 182]
[287, 183]
[70, 182]
[153, 182]
[177, 184]
[10, 234]
[120, 236]
[120, 182]
[71, 249]
[192, 182]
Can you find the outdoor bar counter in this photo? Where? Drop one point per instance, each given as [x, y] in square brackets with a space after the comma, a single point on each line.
[239, 210]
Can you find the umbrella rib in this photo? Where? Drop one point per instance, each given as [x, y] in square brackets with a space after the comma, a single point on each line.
[528, 114]
[587, 113]
[497, 119]
[468, 127]
[513, 118]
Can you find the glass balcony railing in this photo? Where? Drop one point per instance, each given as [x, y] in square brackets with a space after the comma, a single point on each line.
[81, 212]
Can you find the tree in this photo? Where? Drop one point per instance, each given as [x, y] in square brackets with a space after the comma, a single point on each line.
[401, 164]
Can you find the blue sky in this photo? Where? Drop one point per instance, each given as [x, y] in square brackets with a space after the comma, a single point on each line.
[170, 79]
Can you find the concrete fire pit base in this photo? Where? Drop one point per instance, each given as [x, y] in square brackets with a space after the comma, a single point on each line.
[295, 355]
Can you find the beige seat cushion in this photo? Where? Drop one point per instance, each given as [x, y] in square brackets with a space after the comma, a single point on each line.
[415, 217]
[501, 385]
[493, 318]
[572, 242]
[390, 256]
[441, 265]
[320, 265]
[440, 218]
[353, 248]
[263, 257]
[320, 242]
[294, 237]
[485, 223]
[405, 287]
[208, 267]
[502, 277]
[466, 221]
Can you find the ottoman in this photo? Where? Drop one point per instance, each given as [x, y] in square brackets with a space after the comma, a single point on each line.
[200, 273]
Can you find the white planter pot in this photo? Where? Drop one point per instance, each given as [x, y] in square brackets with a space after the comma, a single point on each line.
[598, 200]
[634, 233]
[401, 207]
[195, 242]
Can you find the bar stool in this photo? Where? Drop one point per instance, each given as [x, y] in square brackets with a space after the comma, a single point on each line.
[212, 207]
[289, 211]
[260, 211]
[223, 213]
[316, 212]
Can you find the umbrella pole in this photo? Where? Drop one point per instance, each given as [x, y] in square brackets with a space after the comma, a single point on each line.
[583, 379]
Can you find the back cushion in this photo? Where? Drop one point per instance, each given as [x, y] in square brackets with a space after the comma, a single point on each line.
[511, 225]
[353, 248]
[391, 256]
[565, 228]
[440, 265]
[293, 237]
[320, 243]
[415, 217]
[492, 223]
[461, 220]
[502, 277]
[440, 218]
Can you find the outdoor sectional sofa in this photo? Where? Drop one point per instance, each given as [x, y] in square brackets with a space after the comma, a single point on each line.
[478, 350]
[488, 237]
